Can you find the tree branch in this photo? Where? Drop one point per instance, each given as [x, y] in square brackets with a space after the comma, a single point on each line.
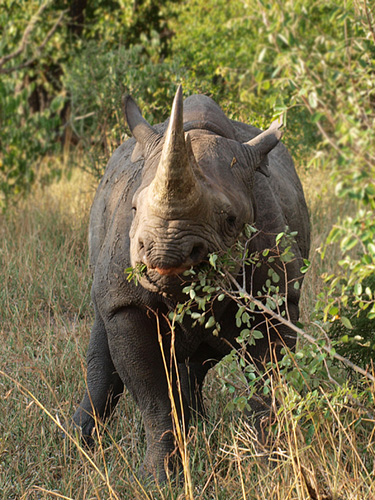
[298, 330]
[371, 28]
[24, 42]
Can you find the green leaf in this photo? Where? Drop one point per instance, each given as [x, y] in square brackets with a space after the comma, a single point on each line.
[257, 334]
[313, 99]
[275, 277]
[348, 243]
[333, 310]
[346, 322]
[213, 259]
[279, 237]
[210, 323]
[245, 333]
[196, 315]
[262, 54]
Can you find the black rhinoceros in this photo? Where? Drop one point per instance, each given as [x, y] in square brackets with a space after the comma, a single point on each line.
[171, 195]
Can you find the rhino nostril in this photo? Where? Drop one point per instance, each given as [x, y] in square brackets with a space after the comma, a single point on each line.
[197, 253]
[141, 245]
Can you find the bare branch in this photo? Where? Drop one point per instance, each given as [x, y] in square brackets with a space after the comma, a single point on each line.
[25, 36]
[24, 42]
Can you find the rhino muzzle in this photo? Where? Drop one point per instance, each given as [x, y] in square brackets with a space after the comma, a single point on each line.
[171, 258]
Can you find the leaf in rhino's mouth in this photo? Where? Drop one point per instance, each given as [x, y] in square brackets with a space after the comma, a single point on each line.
[136, 273]
[154, 281]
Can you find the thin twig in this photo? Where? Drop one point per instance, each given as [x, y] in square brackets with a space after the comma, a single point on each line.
[298, 330]
[24, 40]
[371, 28]
[25, 36]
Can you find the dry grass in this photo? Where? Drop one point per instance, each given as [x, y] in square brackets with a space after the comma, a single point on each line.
[322, 447]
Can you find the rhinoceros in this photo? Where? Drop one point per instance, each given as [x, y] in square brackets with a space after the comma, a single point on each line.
[171, 195]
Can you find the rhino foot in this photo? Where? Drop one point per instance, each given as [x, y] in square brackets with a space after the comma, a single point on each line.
[84, 424]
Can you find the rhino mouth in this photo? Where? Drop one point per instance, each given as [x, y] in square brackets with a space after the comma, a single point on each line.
[170, 271]
[166, 280]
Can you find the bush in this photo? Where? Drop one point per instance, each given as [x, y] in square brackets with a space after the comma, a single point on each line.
[40, 43]
[358, 341]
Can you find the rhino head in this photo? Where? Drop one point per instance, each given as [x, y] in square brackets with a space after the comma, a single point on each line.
[195, 196]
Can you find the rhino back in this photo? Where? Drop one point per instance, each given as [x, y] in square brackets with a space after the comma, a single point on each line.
[202, 112]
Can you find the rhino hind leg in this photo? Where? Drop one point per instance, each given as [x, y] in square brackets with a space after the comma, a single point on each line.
[104, 386]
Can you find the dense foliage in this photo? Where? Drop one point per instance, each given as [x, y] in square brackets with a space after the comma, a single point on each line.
[42, 45]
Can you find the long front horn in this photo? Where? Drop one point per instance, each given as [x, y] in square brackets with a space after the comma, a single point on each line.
[175, 184]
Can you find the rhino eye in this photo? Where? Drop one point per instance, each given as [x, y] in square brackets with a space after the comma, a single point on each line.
[134, 211]
[231, 220]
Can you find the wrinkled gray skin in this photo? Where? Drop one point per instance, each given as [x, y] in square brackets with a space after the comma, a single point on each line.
[167, 199]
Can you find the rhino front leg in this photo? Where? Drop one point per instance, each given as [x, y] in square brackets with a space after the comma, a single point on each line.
[104, 386]
[192, 375]
[136, 353]
[191, 381]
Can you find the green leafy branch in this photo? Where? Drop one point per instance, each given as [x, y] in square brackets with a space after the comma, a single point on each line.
[135, 273]
[216, 281]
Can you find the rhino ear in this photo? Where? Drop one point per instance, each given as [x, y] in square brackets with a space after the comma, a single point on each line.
[262, 144]
[267, 140]
[262, 167]
[145, 135]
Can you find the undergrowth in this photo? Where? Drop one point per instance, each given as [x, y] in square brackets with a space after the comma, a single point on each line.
[320, 444]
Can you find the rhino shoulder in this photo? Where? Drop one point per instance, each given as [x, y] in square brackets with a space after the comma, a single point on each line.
[116, 188]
